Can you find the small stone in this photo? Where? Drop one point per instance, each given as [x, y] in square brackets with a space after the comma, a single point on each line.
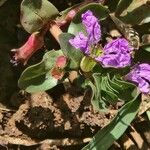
[67, 125]
[115, 33]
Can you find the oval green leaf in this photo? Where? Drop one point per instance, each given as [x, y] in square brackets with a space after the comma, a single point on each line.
[36, 13]
[37, 77]
[75, 55]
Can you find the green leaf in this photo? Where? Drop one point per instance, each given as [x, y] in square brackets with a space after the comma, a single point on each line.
[37, 77]
[87, 64]
[112, 5]
[146, 47]
[99, 94]
[75, 55]
[126, 90]
[96, 98]
[148, 114]
[136, 13]
[98, 10]
[110, 90]
[122, 5]
[50, 57]
[107, 91]
[36, 13]
[106, 136]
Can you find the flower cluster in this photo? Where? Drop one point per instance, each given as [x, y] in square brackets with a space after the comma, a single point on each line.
[116, 54]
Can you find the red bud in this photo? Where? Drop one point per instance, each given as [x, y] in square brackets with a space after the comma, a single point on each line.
[57, 73]
[61, 62]
[22, 54]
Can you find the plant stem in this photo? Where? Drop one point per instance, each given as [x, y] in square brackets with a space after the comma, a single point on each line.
[55, 30]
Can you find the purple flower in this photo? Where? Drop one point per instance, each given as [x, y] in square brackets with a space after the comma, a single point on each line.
[115, 60]
[141, 76]
[92, 26]
[119, 45]
[80, 42]
[116, 54]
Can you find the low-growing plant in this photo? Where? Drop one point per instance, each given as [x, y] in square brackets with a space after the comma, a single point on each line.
[111, 65]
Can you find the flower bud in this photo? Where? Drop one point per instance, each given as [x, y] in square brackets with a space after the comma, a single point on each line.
[22, 54]
[58, 70]
[87, 64]
[57, 73]
[61, 62]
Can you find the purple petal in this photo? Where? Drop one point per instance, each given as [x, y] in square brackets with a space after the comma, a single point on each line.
[92, 27]
[115, 60]
[143, 70]
[120, 45]
[144, 86]
[80, 41]
[141, 76]
[116, 54]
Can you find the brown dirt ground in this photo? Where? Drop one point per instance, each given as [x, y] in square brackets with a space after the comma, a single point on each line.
[63, 120]
[69, 119]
